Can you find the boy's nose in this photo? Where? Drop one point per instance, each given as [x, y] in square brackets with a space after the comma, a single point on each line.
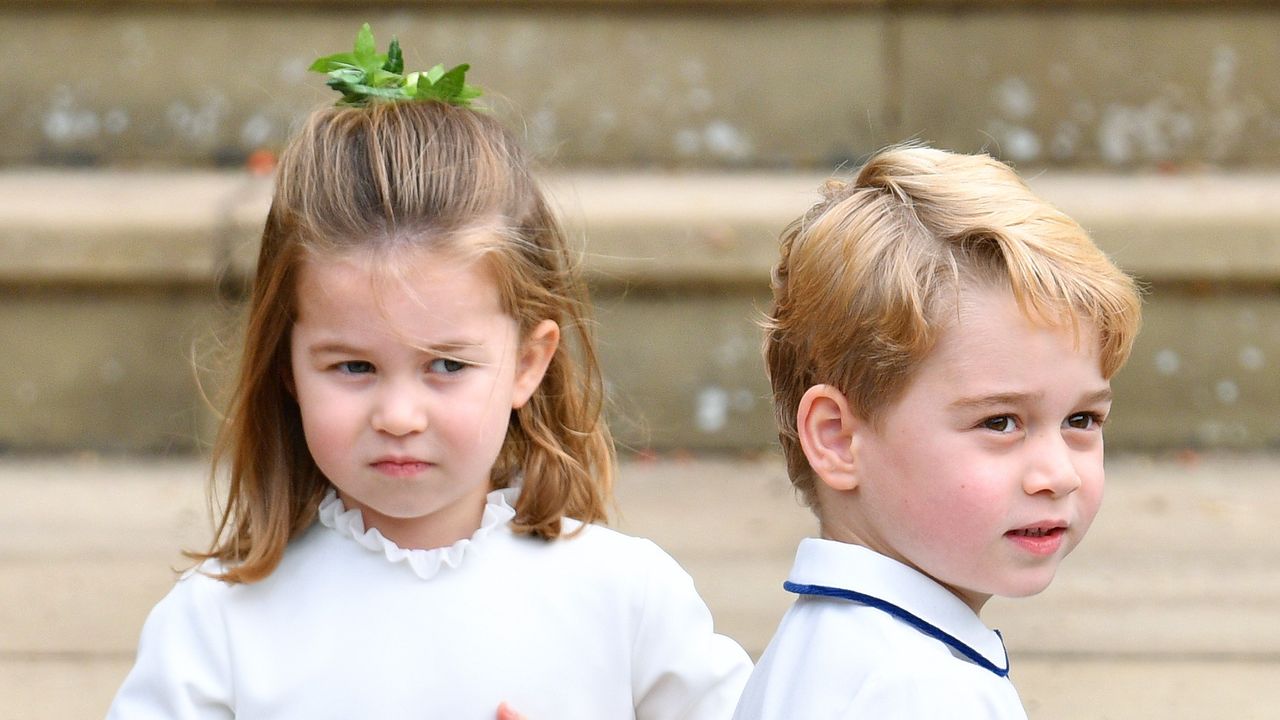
[399, 412]
[1052, 469]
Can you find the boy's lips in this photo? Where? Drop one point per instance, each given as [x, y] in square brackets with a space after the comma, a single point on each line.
[1041, 538]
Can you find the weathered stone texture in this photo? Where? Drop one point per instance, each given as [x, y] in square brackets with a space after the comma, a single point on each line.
[1112, 85]
[585, 86]
[102, 316]
[101, 370]
[1117, 87]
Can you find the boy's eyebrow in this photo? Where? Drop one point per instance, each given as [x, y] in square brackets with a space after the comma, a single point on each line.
[1103, 395]
[1015, 398]
[982, 401]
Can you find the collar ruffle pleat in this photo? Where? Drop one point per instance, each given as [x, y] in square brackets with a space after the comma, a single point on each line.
[426, 564]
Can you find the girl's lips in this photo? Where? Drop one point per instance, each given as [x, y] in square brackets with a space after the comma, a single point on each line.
[400, 468]
[1039, 540]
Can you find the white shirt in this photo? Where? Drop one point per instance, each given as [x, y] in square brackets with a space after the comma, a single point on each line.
[595, 626]
[870, 637]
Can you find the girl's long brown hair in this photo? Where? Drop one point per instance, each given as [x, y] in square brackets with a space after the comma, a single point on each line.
[380, 180]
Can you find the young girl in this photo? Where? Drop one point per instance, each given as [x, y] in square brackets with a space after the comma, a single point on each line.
[414, 461]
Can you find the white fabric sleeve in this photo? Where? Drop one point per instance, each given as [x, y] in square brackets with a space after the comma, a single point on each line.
[681, 669]
[182, 666]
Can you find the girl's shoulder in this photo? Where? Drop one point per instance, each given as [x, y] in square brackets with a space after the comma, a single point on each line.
[591, 539]
[197, 600]
[203, 583]
[607, 555]
[201, 588]
[202, 580]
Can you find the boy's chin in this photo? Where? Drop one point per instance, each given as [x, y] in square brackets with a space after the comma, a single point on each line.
[1027, 589]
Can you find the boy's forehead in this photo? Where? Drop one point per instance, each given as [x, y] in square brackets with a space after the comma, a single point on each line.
[976, 303]
[991, 331]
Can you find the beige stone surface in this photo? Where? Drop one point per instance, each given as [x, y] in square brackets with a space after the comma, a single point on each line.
[1166, 611]
[684, 368]
[106, 370]
[1088, 85]
[649, 228]
[704, 84]
[203, 84]
[109, 370]
[111, 304]
[1203, 372]
[153, 227]
[1138, 689]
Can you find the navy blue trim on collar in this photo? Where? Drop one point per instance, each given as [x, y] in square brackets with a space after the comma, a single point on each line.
[915, 621]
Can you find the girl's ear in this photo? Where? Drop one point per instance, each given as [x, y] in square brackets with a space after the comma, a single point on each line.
[826, 426]
[535, 355]
[286, 374]
[287, 370]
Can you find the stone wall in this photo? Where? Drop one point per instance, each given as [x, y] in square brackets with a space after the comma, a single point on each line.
[1114, 85]
[682, 135]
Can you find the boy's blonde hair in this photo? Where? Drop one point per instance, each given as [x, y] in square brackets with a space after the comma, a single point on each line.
[378, 181]
[867, 276]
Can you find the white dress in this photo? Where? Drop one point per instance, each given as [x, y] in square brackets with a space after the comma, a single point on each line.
[870, 637]
[595, 626]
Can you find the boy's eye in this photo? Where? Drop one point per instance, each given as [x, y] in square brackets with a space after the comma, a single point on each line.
[1000, 424]
[1084, 421]
[355, 367]
[446, 366]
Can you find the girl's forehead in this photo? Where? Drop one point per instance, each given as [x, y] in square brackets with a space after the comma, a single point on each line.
[435, 305]
[395, 268]
[403, 282]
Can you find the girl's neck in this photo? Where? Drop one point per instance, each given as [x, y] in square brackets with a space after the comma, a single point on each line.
[420, 533]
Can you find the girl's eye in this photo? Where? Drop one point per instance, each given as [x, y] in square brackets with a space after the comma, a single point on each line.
[446, 366]
[355, 367]
[1000, 424]
[1084, 421]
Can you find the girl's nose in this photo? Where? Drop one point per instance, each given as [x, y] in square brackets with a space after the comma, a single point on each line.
[1052, 469]
[399, 411]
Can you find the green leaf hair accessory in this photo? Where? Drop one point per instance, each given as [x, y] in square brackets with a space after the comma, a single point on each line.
[366, 76]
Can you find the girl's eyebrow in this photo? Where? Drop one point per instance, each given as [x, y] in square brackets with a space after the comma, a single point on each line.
[1016, 398]
[342, 348]
[333, 348]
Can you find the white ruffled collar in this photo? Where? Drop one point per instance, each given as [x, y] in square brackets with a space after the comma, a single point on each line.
[498, 511]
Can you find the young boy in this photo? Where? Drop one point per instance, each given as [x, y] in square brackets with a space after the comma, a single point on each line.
[940, 349]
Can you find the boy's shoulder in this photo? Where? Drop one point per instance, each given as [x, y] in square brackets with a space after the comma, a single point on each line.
[835, 659]
[851, 589]
[856, 643]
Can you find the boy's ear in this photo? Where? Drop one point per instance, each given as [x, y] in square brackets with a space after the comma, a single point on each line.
[533, 359]
[825, 426]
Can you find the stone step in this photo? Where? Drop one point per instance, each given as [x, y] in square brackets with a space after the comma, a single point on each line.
[119, 289]
[692, 83]
[1167, 610]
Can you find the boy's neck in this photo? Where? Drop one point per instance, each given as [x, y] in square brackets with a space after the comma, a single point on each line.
[839, 532]
[839, 529]
[838, 518]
